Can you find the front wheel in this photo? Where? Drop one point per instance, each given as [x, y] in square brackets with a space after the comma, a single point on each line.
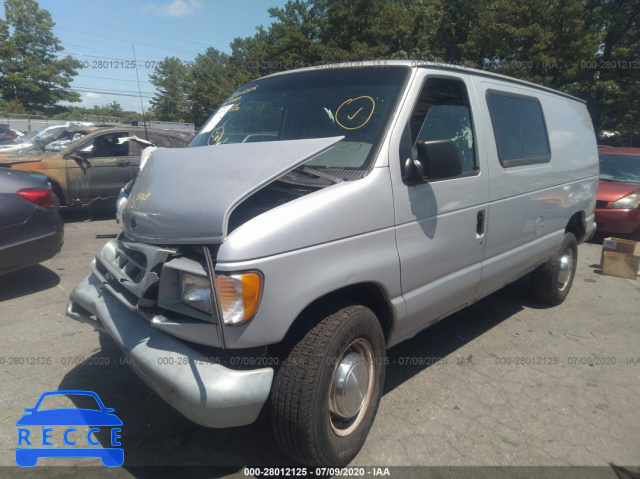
[326, 394]
[552, 281]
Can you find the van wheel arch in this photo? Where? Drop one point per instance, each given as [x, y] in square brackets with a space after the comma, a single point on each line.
[577, 226]
[551, 282]
[369, 295]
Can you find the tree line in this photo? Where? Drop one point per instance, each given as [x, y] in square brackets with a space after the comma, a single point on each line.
[587, 48]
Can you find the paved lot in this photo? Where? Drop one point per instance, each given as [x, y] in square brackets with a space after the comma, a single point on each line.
[517, 385]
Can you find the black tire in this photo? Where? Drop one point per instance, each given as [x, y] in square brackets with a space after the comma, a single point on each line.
[56, 201]
[552, 281]
[303, 424]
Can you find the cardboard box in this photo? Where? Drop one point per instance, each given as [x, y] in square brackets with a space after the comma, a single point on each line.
[621, 265]
[619, 245]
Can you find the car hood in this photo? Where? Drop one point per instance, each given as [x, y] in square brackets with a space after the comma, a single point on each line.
[9, 158]
[186, 195]
[612, 191]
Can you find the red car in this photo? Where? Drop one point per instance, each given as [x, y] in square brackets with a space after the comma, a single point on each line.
[618, 205]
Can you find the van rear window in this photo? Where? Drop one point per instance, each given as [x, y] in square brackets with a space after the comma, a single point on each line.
[519, 129]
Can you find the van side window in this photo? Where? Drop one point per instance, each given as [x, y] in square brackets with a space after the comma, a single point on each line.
[519, 129]
[442, 113]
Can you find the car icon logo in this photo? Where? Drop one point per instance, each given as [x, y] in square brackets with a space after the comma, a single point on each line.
[70, 420]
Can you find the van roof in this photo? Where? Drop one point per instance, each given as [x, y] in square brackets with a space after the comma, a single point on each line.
[425, 64]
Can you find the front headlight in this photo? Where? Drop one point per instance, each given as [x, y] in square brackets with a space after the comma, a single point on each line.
[195, 291]
[239, 296]
[629, 201]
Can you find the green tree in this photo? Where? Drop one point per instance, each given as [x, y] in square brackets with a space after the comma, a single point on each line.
[112, 111]
[577, 46]
[614, 93]
[170, 102]
[544, 41]
[212, 78]
[114, 108]
[30, 72]
[294, 38]
[332, 30]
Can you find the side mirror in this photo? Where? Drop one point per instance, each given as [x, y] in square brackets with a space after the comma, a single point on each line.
[82, 162]
[413, 172]
[436, 160]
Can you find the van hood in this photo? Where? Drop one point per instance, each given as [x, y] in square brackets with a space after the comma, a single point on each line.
[186, 195]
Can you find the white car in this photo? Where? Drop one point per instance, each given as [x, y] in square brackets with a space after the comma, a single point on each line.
[27, 141]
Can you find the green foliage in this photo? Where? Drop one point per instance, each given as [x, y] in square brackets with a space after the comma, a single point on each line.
[114, 108]
[577, 46]
[170, 101]
[583, 47]
[111, 112]
[212, 78]
[614, 93]
[543, 41]
[12, 106]
[30, 73]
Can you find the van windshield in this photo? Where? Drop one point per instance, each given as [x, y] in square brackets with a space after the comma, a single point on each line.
[352, 102]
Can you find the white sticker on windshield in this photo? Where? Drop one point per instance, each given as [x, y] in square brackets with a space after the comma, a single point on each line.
[216, 118]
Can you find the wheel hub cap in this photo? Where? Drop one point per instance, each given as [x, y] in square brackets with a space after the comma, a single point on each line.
[350, 386]
[566, 265]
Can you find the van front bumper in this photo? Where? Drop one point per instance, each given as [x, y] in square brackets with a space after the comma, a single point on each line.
[204, 391]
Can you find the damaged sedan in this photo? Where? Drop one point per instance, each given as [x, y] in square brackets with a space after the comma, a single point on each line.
[31, 230]
[85, 164]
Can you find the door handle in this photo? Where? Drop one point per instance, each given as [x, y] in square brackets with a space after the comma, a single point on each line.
[480, 223]
[123, 163]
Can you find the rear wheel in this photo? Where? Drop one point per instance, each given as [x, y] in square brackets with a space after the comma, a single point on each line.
[552, 281]
[326, 394]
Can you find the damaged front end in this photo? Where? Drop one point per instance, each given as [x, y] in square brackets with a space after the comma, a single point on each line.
[134, 295]
[206, 227]
[193, 203]
[154, 289]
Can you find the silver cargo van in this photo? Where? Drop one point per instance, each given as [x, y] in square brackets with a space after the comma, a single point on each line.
[323, 215]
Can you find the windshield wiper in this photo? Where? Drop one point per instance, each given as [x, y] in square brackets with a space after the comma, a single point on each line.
[320, 174]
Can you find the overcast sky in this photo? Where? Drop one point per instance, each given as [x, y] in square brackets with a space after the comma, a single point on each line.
[104, 31]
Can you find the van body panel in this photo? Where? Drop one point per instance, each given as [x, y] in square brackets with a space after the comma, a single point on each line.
[536, 220]
[431, 246]
[439, 247]
[362, 206]
[533, 203]
[572, 142]
[295, 279]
